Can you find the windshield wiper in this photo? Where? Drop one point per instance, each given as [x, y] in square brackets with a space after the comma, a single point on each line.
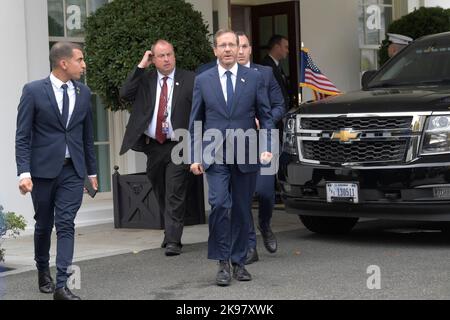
[437, 81]
[388, 84]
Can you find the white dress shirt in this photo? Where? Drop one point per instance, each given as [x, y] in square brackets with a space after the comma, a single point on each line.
[170, 86]
[223, 78]
[277, 63]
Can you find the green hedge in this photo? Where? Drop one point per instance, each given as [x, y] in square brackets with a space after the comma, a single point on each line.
[418, 23]
[118, 34]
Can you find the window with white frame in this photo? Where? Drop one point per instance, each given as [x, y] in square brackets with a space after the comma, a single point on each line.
[374, 17]
[66, 20]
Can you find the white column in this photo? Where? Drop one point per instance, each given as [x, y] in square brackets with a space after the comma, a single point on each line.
[205, 7]
[222, 7]
[13, 32]
[37, 39]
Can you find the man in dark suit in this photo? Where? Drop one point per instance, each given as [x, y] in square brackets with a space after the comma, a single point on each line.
[54, 152]
[162, 101]
[278, 50]
[227, 98]
[265, 183]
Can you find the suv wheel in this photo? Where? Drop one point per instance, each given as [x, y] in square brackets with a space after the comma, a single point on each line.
[328, 225]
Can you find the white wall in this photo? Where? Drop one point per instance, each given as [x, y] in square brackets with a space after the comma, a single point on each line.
[15, 66]
[331, 35]
[222, 7]
[438, 3]
[37, 39]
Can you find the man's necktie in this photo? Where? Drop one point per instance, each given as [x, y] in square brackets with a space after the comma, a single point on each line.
[65, 107]
[230, 90]
[160, 119]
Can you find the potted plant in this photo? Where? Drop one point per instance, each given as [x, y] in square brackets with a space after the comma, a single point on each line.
[10, 226]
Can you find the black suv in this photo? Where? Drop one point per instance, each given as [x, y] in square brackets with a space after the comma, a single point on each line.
[381, 152]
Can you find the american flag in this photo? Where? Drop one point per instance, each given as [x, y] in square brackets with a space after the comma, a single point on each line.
[311, 77]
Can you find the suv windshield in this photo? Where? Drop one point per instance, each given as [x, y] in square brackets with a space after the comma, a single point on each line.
[425, 62]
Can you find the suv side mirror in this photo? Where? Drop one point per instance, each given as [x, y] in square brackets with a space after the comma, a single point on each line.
[366, 77]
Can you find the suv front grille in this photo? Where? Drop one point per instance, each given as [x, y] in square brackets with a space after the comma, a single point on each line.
[359, 139]
[365, 123]
[361, 151]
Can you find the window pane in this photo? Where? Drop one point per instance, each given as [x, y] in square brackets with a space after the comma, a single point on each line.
[369, 59]
[55, 18]
[265, 30]
[103, 168]
[93, 5]
[75, 17]
[281, 27]
[101, 129]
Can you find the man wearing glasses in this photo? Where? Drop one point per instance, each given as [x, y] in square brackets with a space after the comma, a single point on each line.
[226, 98]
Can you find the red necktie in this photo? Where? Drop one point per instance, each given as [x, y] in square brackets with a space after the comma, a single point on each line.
[159, 134]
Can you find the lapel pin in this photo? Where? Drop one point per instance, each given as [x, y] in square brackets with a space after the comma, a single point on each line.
[243, 80]
[177, 83]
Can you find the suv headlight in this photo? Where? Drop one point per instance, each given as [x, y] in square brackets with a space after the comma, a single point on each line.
[436, 138]
[289, 137]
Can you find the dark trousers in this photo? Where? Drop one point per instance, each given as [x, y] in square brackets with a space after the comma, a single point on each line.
[230, 197]
[265, 190]
[169, 185]
[56, 202]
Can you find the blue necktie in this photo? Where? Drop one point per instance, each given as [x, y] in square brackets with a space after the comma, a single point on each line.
[230, 90]
[65, 108]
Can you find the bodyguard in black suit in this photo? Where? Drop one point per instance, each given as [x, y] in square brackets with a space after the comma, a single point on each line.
[161, 104]
[278, 50]
[54, 152]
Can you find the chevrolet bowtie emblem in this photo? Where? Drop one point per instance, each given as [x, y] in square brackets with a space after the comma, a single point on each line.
[345, 135]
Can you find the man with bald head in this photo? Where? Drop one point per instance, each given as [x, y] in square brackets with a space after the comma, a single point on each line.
[161, 104]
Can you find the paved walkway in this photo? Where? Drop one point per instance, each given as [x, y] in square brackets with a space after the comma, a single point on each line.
[104, 241]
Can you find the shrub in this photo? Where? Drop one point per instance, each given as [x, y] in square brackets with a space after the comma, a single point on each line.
[118, 34]
[10, 225]
[418, 23]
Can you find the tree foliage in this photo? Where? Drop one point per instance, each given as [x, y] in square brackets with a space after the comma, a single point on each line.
[118, 34]
[418, 23]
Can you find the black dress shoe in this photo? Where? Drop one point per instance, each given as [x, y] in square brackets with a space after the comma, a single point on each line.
[240, 273]
[64, 294]
[223, 277]
[252, 256]
[269, 240]
[173, 249]
[46, 284]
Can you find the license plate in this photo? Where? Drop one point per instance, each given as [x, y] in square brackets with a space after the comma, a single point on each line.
[342, 192]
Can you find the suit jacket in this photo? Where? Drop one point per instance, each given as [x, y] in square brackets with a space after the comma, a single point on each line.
[250, 100]
[276, 99]
[140, 88]
[41, 137]
[268, 61]
[205, 67]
